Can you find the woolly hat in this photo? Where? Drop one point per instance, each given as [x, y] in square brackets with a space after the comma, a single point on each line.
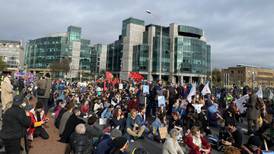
[115, 133]
[18, 100]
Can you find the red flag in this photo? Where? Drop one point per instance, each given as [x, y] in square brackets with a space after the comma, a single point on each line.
[109, 75]
[136, 76]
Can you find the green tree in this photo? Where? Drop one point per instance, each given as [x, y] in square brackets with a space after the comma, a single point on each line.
[216, 77]
[60, 66]
[3, 64]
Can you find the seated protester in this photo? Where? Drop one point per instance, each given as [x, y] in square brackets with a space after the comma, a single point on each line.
[107, 113]
[175, 122]
[141, 116]
[106, 145]
[203, 121]
[254, 146]
[58, 115]
[229, 115]
[196, 142]
[38, 120]
[236, 136]
[120, 146]
[133, 103]
[65, 117]
[171, 145]
[72, 122]
[118, 120]
[85, 108]
[159, 122]
[98, 106]
[223, 135]
[79, 141]
[134, 130]
[60, 104]
[93, 130]
[190, 118]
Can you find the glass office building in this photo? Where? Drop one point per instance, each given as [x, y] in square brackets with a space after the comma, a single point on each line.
[176, 53]
[41, 52]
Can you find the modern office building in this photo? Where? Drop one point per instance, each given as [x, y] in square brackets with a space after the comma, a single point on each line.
[176, 53]
[12, 53]
[40, 53]
[114, 56]
[243, 75]
[98, 59]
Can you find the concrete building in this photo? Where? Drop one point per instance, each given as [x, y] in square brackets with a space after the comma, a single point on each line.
[98, 59]
[251, 76]
[176, 53]
[41, 52]
[12, 53]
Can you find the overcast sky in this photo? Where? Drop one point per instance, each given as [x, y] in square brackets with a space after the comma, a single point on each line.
[239, 31]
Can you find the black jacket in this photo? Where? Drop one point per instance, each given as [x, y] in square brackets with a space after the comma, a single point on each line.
[72, 122]
[58, 119]
[80, 143]
[15, 123]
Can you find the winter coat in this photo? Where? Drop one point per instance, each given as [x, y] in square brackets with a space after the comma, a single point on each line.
[252, 112]
[15, 123]
[6, 93]
[46, 85]
[194, 149]
[72, 122]
[36, 121]
[80, 144]
[63, 121]
[58, 118]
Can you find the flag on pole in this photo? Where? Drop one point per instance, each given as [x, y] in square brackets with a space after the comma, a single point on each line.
[206, 89]
[259, 93]
[109, 76]
[192, 92]
[270, 95]
[240, 103]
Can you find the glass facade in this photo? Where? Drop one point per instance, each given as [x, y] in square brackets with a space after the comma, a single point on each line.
[192, 56]
[140, 58]
[114, 56]
[40, 53]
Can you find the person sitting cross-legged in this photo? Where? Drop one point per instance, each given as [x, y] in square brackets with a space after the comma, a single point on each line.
[134, 130]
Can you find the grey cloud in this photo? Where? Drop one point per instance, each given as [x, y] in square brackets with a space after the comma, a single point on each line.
[238, 31]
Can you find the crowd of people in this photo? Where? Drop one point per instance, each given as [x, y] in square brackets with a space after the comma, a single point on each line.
[107, 116]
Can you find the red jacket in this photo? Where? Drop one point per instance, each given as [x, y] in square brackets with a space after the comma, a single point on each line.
[34, 122]
[194, 149]
[85, 108]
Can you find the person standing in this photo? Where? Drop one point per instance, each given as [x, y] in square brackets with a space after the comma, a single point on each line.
[43, 91]
[6, 92]
[252, 113]
[15, 124]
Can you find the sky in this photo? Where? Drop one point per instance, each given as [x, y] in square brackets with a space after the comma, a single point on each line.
[239, 31]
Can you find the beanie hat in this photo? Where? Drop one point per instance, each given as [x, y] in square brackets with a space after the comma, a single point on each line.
[119, 142]
[18, 100]
[115, 133]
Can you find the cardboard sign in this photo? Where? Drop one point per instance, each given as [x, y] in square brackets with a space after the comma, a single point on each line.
[161, 101]
[198, 107]
[145, 89]
[163, 132]
[121, 86]
[103, 121]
